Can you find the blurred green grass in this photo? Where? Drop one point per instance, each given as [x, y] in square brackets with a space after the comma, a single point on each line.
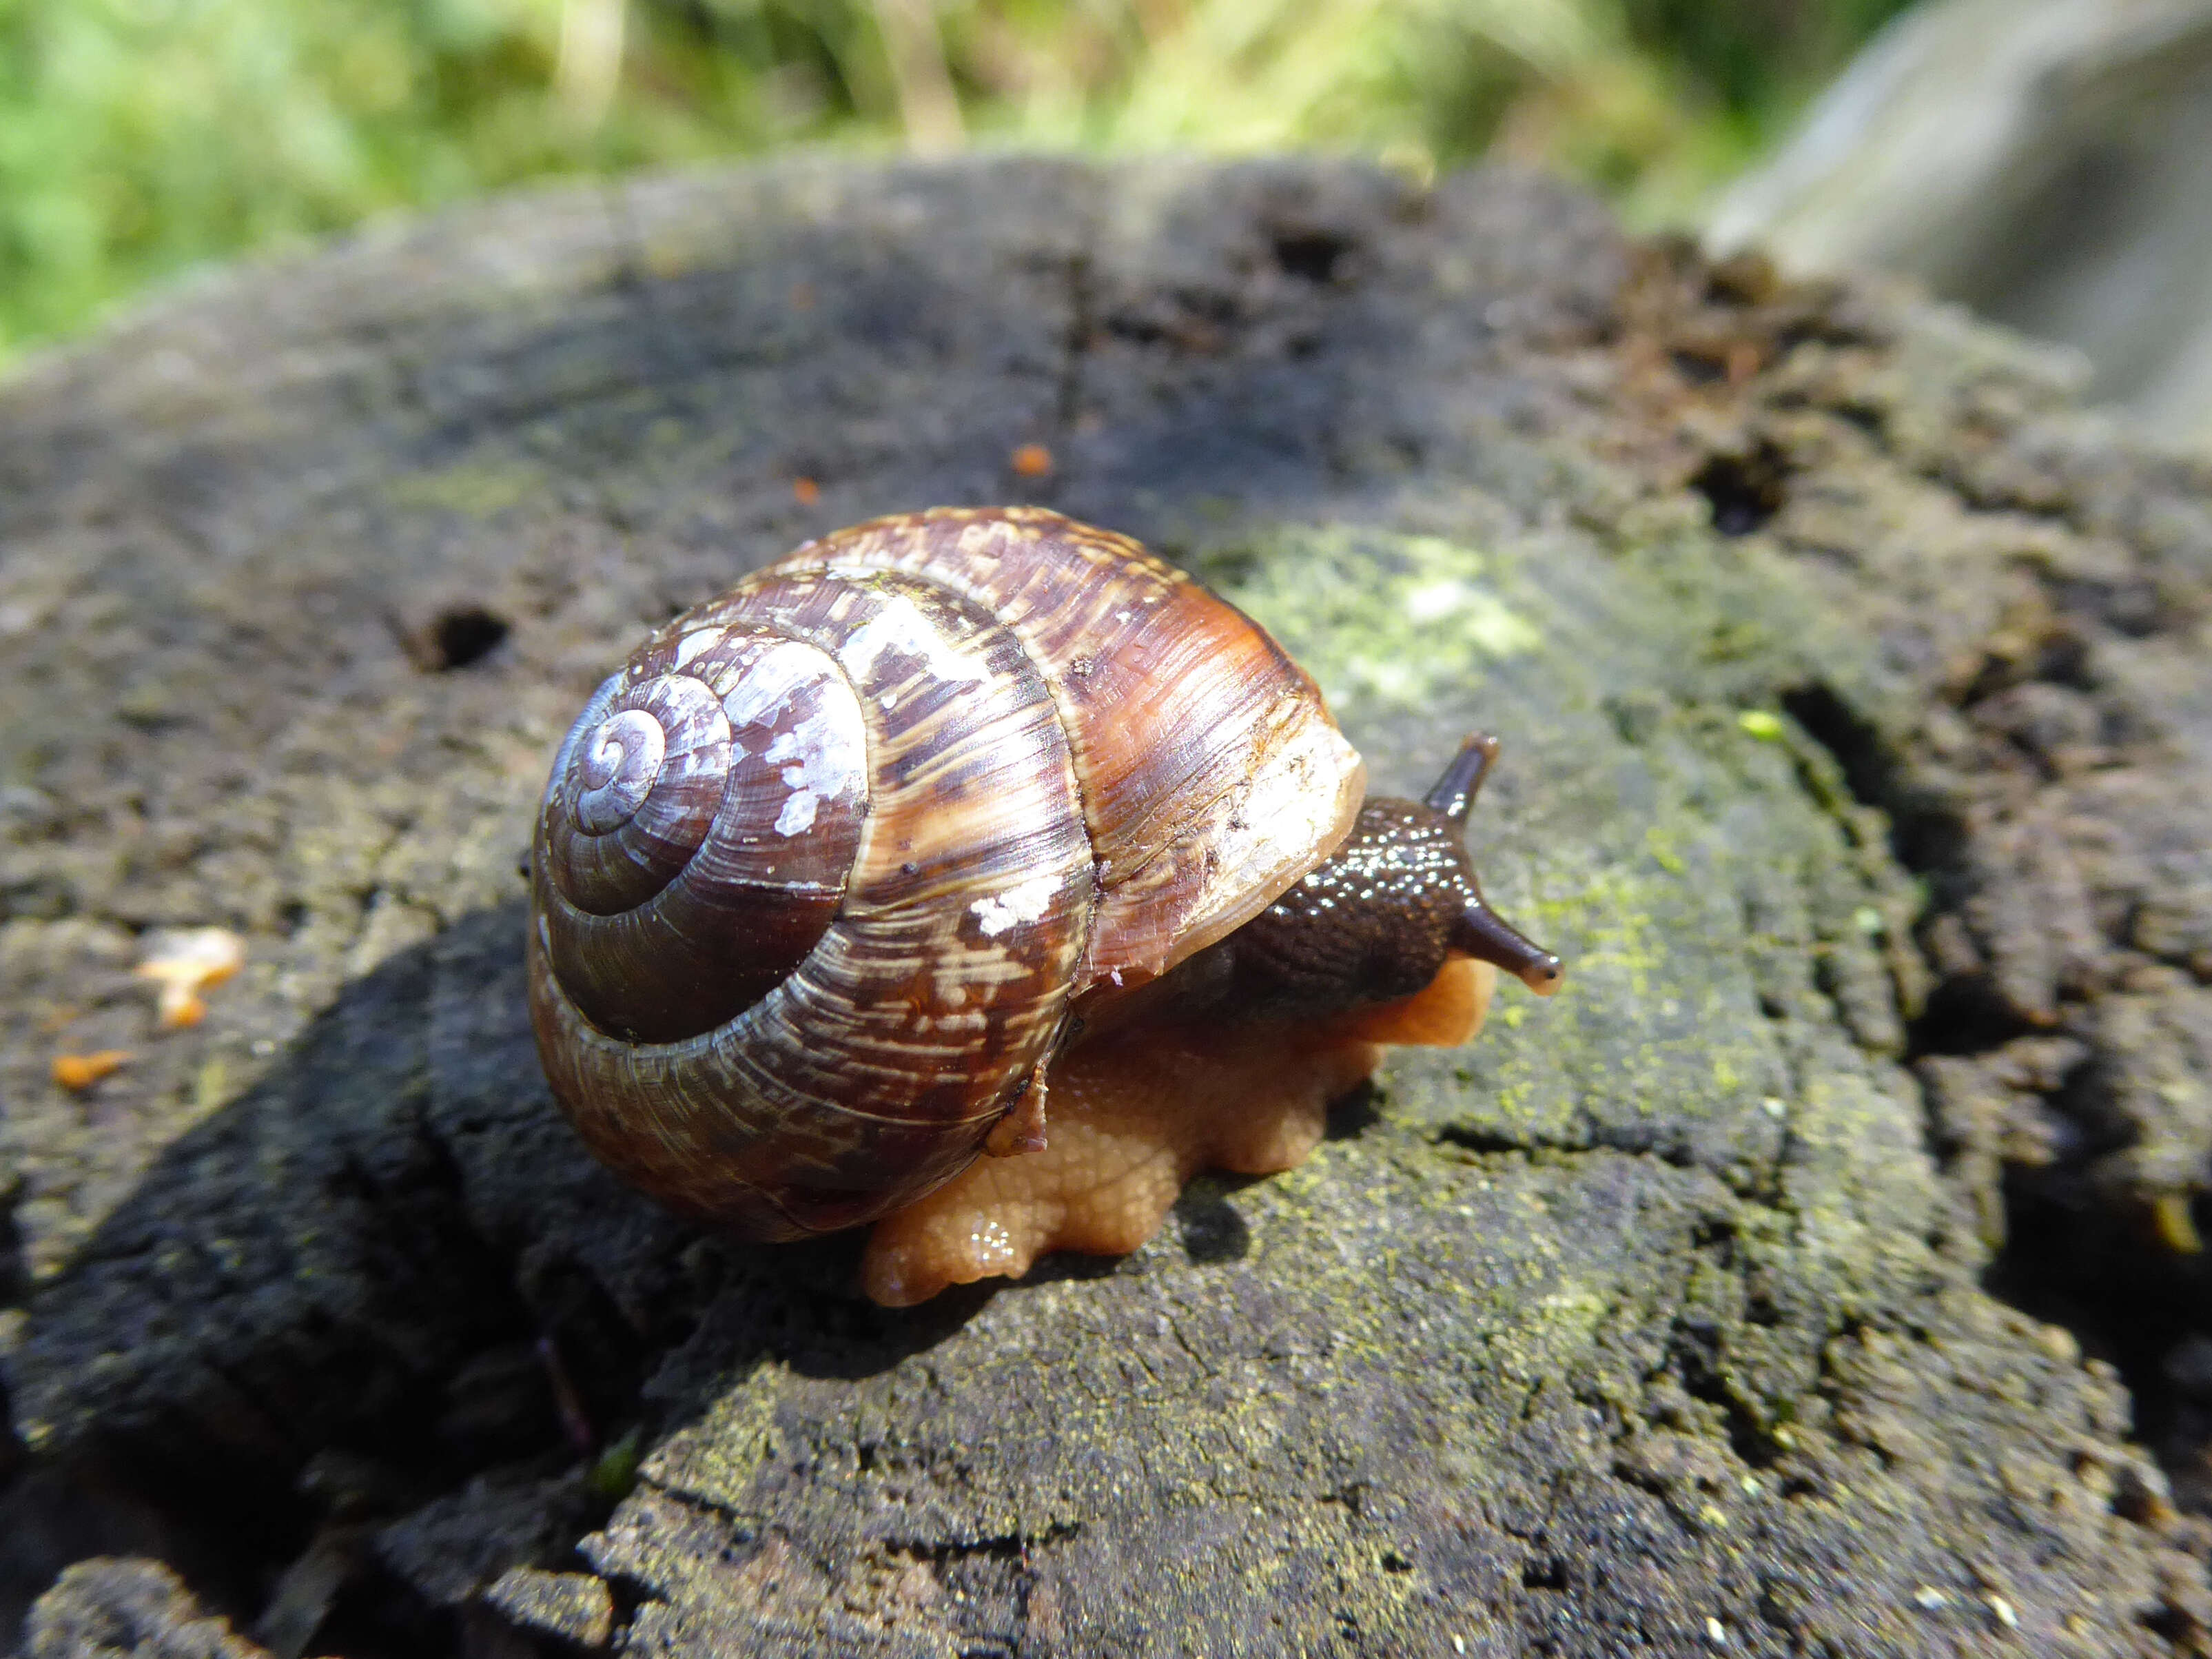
[140, 137]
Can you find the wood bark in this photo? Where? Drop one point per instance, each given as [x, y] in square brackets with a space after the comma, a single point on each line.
[1858, 732]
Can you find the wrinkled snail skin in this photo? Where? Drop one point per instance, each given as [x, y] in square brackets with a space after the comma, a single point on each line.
[843, 867]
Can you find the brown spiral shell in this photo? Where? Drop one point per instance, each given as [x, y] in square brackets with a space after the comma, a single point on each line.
[820, 872]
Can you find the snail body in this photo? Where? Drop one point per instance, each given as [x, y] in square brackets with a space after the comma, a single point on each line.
[844, 871]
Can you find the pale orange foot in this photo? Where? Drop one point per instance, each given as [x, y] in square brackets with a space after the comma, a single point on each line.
[1133, 1116]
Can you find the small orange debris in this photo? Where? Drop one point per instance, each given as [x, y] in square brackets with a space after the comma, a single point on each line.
[1032, 461]
[79, 1071]
[186, 962]
[805, 491]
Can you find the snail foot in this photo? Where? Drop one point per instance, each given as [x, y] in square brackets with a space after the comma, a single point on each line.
[1136, 1113]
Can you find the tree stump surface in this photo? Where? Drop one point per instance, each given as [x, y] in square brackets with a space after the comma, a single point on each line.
[1858, 732]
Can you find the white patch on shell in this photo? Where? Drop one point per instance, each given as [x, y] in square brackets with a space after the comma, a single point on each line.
[694, 642]
[816, 755]
[770, 679]
[901, 626]
[798, 815]
[824, 756]
[1026, 903]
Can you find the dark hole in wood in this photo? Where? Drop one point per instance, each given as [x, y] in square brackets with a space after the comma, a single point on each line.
[1311, 256]
[465, 635]
[1745, 491]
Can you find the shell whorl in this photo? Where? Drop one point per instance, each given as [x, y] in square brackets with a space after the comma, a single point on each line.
[820, 872]
[702, 821]
[872, 1064]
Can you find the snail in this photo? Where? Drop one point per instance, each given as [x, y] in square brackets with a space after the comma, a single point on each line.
[977, 874]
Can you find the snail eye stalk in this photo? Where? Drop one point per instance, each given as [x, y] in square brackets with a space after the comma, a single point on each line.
[1454, 794]
[1480, 931]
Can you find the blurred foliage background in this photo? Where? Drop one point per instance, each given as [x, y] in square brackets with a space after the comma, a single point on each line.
[138, 138]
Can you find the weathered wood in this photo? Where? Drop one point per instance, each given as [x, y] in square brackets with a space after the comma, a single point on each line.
[1858, 722]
